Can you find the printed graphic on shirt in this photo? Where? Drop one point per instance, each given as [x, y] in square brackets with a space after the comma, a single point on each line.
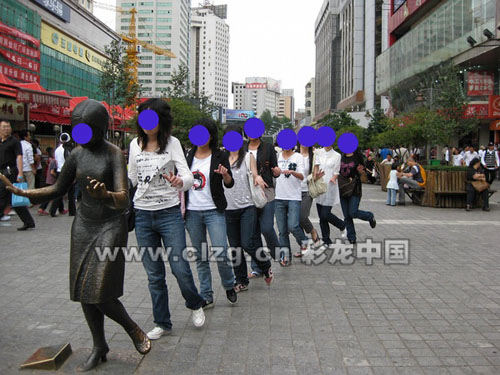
[199, 181]
[346, 168]
[291, 167]
[148, 173]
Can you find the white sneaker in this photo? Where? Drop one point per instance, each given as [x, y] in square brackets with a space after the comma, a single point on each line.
[157, 332]
[12, 213]
[5, 218]
[198, 317]
[343, 234]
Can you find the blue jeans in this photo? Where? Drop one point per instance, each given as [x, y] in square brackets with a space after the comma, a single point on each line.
[241, 233]
[151, 227]
[265, 227]
[350, 208]
[391, 196]
[197, 224]
[325, 219]
[288, 219]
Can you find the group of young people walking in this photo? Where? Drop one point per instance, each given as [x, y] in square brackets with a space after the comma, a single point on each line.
[215, 189]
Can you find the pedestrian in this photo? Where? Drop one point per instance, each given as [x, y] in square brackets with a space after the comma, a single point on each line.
[29, 167]
[241, 217]
[288, 202]
[267, 167]
[11, 166]
[490, 162]
[458, 159]
[392, 186]
[58, 203]
[50, 179]
[205, 206]
[305, 206]
[470, 154]
[328, 167]
[351, 166]
[96, 283]
[37, 154]
[155, 156]
[474, 174]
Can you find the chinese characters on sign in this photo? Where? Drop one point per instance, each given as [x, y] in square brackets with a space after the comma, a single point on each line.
[256, 86]
[21, 61]
[41, 98]
[11, 110]
[56, 7]
[477, 111]
[19, 74]
[480, 83]
[18, 47]
[494, 107]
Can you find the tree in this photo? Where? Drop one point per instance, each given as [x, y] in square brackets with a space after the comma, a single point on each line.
[338, 120]
[267, 119]
[378, 124]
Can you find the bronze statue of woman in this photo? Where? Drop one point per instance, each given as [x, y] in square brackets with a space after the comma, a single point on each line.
[100, 171]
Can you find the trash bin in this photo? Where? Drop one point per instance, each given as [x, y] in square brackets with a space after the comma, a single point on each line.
[435, 162]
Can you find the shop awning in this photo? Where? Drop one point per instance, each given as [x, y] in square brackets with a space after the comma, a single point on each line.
[7, 87]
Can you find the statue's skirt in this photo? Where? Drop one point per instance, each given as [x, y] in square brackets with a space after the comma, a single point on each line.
[94, 279]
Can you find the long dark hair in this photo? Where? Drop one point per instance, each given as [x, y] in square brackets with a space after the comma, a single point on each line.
[212, 130]
[311, 155]
[162, 109]
[241, 153]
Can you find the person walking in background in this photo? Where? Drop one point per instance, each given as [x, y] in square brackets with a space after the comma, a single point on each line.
[351, 166]
[59, 153]
[470, 154]
[328, 167]
[392, 186]
[305, 206]
[458, 159]
[50, 179]
[154, 156]
[38, 164]
[288, 202]
[241, 217]
[11, 166]
[490, 162]
[205, 206]
[29, 168]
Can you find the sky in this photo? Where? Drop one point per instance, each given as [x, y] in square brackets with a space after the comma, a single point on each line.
[268, 38]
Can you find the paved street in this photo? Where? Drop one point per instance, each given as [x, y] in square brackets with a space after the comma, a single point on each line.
[438, 315]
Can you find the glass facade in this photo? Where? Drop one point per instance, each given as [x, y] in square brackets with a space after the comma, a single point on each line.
[436, 39]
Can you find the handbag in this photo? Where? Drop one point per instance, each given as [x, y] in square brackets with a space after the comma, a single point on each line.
[318, 187]
[346, 186]
[17, 200]
[258, 196]
[480, 185]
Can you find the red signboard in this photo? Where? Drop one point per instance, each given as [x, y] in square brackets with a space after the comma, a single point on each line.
[494, 106]
[19, 74]
[405, 11]
[40, 98]
[18, 34]
[480, 83]
[21, 61]
[18, 47]
[495, 125]
[256, 86]
[477, 111]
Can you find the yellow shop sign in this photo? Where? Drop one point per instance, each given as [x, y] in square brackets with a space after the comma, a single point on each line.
[61, 42]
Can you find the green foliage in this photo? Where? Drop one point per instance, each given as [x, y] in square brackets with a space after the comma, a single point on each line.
[338, 120]
[185, 117]
[377, 125]
[267, 119]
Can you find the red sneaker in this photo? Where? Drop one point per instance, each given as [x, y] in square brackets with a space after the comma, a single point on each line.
[269, 276]
[43, 212]
[64, 212]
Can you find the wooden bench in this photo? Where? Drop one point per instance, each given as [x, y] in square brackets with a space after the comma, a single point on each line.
[442, 193]
[416, 195]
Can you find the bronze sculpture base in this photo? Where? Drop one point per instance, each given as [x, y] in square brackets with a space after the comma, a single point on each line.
[48, 358]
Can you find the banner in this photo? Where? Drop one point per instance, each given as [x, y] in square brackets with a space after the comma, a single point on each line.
[233, 114]
[480, 83]
[41, 98]
[19, 74]
[11, 110]
[256, 86]
[18, 47]
[21, 61]
[495, 125]
[494, 106]
[18, 34]
[477, 111]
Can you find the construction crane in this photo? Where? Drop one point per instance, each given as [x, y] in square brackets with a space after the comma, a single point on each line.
[132, 41]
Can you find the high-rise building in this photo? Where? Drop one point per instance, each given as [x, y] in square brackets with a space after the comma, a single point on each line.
[310, 110]
[165, 24]
[209, 61]
[258, 94]
[286, 105]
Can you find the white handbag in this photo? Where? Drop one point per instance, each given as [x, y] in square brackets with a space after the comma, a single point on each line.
[258, 196]
[316, 188]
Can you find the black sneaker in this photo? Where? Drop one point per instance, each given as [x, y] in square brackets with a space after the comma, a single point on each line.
[231, 295]
[373, 223]
[207, 305]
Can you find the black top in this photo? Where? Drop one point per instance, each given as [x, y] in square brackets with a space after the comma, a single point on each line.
[9, 151]
[416, 173]
[349, 168]
[471, 172]
[266, 160]
[216, 180]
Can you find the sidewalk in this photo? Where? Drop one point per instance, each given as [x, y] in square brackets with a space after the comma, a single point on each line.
[438, 315]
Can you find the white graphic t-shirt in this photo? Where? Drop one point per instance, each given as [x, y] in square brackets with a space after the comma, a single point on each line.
[200, 195]
[289, 188]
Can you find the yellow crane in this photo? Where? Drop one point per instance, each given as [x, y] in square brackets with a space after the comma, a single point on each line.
[132, 41]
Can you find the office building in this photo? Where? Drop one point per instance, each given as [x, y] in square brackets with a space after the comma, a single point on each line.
[258, 94]
[310, 110]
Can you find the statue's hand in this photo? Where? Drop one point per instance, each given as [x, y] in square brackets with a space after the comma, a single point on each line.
[96, 189]
[12, 188]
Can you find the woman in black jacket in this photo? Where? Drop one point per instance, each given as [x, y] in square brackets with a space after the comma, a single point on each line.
[205, 206]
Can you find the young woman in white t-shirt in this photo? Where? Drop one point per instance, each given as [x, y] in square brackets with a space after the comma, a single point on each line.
[153, 158]
[241, 217]
[288, 202]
